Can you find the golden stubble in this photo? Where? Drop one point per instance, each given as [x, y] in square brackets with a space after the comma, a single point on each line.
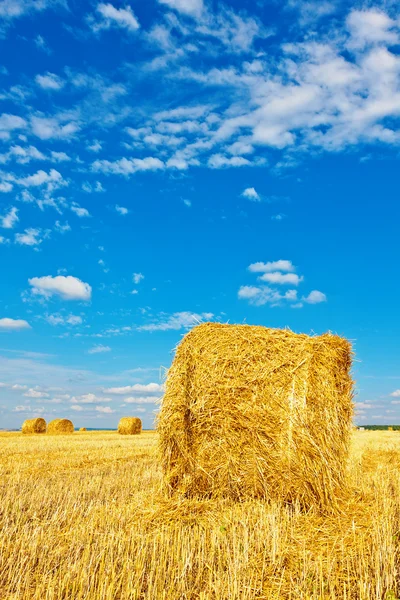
[83, 517]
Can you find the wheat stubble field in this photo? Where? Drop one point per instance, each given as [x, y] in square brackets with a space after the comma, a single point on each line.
[83, 517]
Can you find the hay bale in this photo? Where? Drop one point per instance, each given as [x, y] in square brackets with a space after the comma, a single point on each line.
[82, 429]
[60, 426]
[34, 426]
[256, 412]
[130, 426]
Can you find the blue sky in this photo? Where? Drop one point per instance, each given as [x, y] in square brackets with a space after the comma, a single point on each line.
[172, 161]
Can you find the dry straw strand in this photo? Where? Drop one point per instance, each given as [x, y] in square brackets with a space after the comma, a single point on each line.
[34, 426]
[255, 412]
[130, 426]
[60, 426]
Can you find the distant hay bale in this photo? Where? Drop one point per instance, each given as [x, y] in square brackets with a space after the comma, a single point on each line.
[34, 426]
[390, 428]
[82, 429]
[130, 426]
[60, 426]
[251, 412]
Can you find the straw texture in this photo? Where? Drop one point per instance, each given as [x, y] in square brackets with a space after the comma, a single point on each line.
[59, 426]
[130, 426]
[34, 426]
[256, 412]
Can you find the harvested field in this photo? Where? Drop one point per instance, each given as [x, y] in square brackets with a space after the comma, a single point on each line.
[83, 517]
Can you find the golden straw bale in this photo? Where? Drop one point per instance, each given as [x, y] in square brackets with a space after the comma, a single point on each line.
[34, 426]
[130, 426]
[256, 412]
[82, 429]
[60, 426]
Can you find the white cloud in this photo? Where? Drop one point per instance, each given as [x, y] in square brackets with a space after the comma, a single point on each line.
[52, 180]
[315, 297]
[67, 287]
[99, 349]
[192, 8]
[5, 186]
[137, 278]
[92, 188]
[76, 407]
[281, 278]
[79, 210]
[140, 400]
[9, 219]
[121, 210]
[136, 388]
[47, 128]
[371, 27]
[32, 393]
[13, 324]
[219, 161]
[251, 194]
[10, 122]
[277, 265]
[128, 166]
[49, 81]
[30, 237]
[95, 147]
[89, 399]
[105, 409]
[58, 319]
[74, 320]
[176, 321]
[395, 394]
[62, 228]
[59, 156]
[110, 16]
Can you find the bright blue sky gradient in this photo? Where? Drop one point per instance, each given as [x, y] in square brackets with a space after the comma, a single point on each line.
[167, 162]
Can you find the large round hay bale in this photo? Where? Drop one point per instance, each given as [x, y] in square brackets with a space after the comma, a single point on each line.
[256, 412]
[60, 426]
[130, 426]
[34, 426]
[82, 429]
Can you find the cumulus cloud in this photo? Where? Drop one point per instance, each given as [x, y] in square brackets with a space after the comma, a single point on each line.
[10, 219]
[35, 393]
[58, 319]
[281, 278]
[148, 388]
[176, 321]
[105, 409]
[99, 349]
[277, 265]
[251, 194]
[49, 81]
[140, 400]
[79, 210]
[30, 237]
[13, 324]
[110, 16]
[47, 128]
[128, 166]
[395, 394]
[66, 287]
[192, 8]
[261, 295]
[277, 273]
[315, 297]
[89, 399]
[121, 210]
[137, 278]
